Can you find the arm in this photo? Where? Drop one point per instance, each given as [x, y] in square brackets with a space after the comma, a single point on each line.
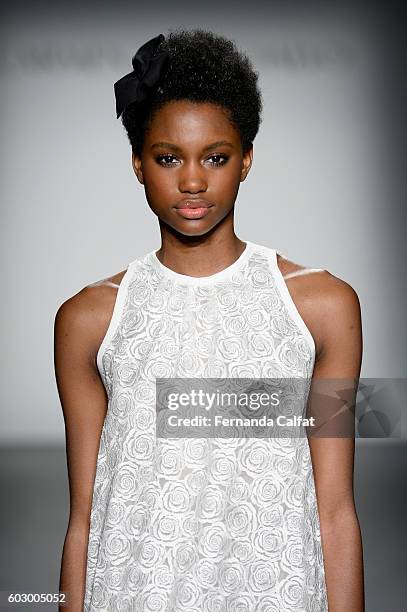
[339, 356]
[77, 335]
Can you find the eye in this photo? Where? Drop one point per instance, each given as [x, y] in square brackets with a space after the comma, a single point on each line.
[166, 159]
[221, 159]
[169, 160]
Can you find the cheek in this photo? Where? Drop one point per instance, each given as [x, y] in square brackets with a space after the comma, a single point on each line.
[225, 180]
[159, 182]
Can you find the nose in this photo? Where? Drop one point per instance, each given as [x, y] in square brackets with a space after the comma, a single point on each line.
[192, 178]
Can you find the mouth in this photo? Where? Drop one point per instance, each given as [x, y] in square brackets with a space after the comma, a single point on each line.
[193, 208]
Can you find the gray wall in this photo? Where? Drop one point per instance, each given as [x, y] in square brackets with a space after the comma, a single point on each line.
[325, 187]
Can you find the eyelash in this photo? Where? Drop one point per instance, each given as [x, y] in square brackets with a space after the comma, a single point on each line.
[159, 159]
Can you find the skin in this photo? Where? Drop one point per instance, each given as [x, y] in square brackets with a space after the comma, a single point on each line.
[202, 247]
[197, 247]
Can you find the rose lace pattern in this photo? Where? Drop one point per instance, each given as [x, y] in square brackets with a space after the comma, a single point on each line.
[202, 524]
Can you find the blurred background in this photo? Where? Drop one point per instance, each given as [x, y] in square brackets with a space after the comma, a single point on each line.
[326, 188]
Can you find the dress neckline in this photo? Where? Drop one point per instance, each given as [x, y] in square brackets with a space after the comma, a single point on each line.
[197, 280]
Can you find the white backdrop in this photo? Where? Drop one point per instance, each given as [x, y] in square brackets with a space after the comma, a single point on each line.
[73, 211]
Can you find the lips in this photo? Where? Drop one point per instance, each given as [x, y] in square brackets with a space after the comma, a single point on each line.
[194, 203]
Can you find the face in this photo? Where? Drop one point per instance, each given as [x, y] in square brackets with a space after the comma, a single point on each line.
[191, 166]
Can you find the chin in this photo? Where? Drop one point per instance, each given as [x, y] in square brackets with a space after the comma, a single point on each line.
[197, 227]
[194, 227]
[198, 231]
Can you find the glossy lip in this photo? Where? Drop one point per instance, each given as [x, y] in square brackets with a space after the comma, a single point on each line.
[189, 203]
[193, 213]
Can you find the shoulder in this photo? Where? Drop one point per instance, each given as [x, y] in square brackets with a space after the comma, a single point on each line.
[85, 315]
[326, 302]
[328, 289]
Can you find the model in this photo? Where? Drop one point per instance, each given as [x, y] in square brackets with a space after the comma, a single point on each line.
[202, 523]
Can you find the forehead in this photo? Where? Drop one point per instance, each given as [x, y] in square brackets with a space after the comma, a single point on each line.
[192, 124]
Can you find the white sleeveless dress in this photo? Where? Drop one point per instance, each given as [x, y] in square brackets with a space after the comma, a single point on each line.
[202, 524]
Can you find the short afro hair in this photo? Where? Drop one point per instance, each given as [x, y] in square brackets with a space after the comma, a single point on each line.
[202, 67]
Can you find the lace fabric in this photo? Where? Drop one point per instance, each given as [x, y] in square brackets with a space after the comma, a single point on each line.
[202, 524]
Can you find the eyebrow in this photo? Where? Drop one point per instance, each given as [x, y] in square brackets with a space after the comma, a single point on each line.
[213, 145]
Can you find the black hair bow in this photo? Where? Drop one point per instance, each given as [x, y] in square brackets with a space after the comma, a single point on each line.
[147, 69]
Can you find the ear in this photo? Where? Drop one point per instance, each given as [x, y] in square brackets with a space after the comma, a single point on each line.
[136, 163]
[246, 163]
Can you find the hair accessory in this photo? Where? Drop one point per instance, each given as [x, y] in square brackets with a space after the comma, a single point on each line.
[147, 69]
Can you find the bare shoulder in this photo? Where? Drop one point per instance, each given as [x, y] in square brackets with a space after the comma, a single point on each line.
[109, 281]
[324, 301]
[85, 315]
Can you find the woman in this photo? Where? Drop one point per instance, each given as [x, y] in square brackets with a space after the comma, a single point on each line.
[202, 523]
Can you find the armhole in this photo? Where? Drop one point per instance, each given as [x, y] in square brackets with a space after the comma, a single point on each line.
[289, 302]
[115, 319]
